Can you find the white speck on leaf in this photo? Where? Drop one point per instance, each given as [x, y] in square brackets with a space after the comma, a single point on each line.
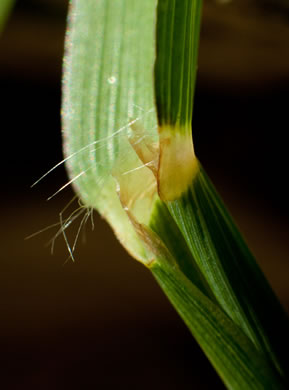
[111, 80]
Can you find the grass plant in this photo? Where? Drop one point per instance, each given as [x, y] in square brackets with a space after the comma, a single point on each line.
[128, 87]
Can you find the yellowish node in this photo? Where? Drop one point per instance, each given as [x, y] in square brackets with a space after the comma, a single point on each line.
[178, 164]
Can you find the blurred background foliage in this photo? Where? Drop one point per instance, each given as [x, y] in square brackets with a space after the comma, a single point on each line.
[103, 321]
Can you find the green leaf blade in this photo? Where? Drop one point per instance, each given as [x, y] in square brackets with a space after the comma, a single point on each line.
[108, 86]
[235, 358]
[162, 223]
[178, 29]
[108, 82]
[5, 9]
[231, 271]
[113, 87]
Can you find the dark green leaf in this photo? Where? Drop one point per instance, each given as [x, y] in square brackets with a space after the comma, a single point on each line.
[238, 362]
[230, 269]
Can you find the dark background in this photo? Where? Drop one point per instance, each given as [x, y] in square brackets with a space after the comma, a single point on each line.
[102, 321]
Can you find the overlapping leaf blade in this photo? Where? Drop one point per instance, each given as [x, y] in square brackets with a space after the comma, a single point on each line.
[231, 270]
[239, 364]
[111, 81]
[218, 251]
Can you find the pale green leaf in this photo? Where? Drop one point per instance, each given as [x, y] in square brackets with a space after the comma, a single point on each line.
[108, 88]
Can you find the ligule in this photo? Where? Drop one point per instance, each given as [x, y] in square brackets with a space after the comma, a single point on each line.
[177, 162]
[177, 36]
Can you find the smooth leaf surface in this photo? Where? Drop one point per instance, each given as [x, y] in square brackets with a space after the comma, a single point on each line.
[230, 269]
[178, 30]
[239, 364]
[177, 39]
[163, 224]
[219, 255]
